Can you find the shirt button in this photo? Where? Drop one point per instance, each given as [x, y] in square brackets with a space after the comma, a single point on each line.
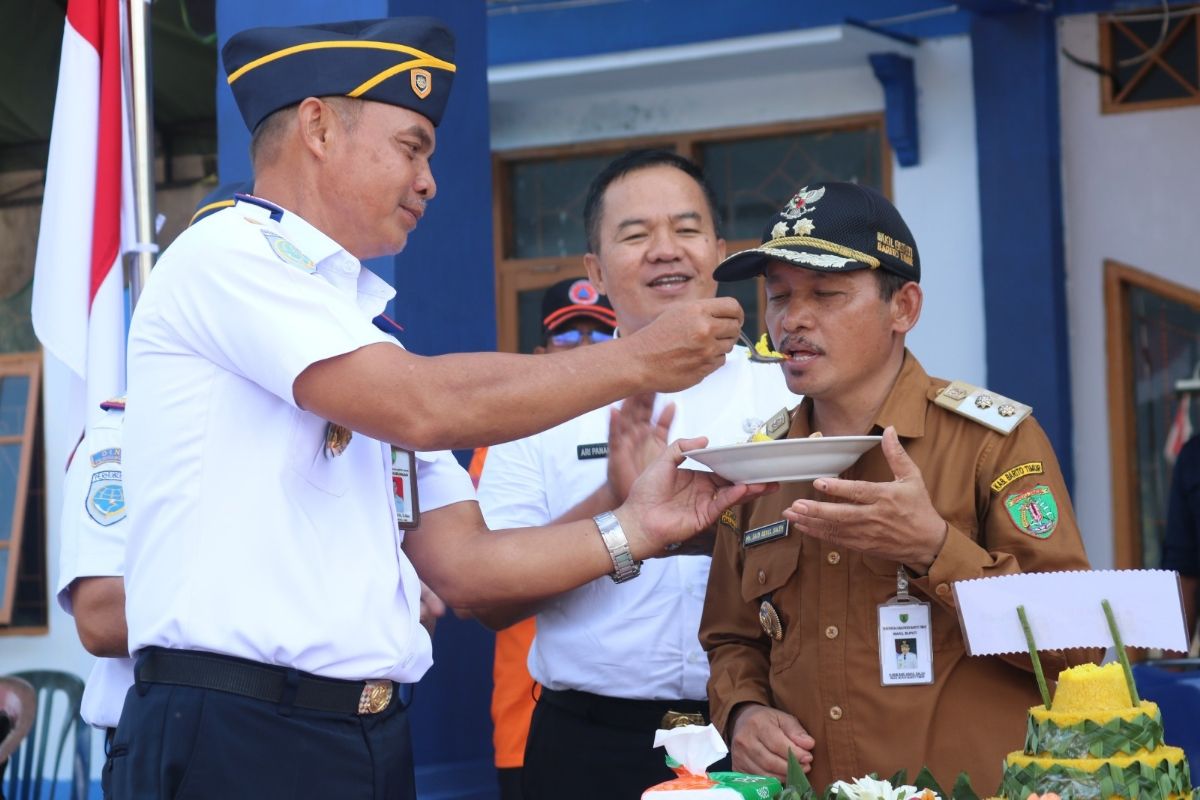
[942, 589]
[762, 576]
[831, 632]
[835, 712]
[833, 557]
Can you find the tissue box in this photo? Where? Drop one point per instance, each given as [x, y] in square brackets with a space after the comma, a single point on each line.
[717, 786]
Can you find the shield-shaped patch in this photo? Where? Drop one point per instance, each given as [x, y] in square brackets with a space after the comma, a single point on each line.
[422, 82]
[106, 497]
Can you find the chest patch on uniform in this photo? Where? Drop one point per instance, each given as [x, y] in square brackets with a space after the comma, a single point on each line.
[106, 497]
[288, 253]
[1019, 471]
[983, 406]
[585, 451]
[1034, 512]
[109, 455]
[767, 533]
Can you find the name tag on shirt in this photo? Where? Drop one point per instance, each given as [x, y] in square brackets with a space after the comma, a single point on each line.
[767, 533]
[905, 643]
[404, 489]
[597, 450]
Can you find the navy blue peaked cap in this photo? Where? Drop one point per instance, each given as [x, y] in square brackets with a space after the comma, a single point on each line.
[404, 61]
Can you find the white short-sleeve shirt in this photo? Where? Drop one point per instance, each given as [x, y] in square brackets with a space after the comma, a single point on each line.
[635, 640]
[245, 537]
[92, 546]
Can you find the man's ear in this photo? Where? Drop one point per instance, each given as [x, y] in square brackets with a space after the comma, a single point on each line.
[318, 124]
[595, 274]
[906, 307]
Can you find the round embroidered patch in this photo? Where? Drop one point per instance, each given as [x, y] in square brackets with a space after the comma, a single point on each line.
[582, 293]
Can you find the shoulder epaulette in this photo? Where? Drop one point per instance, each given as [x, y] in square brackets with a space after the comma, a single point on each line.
[113, 404]
[989, 409]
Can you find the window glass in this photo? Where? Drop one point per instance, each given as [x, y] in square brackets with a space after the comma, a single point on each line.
[10, 468]
[753, 178]
[14, 393]
[1166, 348]
[546, 203]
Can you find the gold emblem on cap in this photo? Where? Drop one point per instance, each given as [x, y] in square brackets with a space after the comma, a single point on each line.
[375, 697]
[768, 617]
[422, 82]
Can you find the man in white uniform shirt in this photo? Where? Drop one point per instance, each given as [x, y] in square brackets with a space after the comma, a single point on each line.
[615, 659]
[271, 568]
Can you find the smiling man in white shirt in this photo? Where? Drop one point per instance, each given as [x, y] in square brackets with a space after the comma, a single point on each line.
[615, 659]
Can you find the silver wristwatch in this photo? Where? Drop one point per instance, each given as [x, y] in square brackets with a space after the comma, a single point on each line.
[624, 567]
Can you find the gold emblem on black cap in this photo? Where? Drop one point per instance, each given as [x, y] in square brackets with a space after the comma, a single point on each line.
[768, 617]
[422, 82]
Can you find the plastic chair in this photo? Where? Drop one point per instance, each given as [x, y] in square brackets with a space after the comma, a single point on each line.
[18, 706]
[58, 698]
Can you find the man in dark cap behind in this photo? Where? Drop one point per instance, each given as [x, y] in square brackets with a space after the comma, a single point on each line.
[278, 445]
[800, 630]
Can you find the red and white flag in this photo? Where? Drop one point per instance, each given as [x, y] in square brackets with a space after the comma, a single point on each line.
[88, 210]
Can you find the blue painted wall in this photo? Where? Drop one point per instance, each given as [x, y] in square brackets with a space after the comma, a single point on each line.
[1020, 205]
[445, 302]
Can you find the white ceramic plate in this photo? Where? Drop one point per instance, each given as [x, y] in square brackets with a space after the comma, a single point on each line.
[784, 459]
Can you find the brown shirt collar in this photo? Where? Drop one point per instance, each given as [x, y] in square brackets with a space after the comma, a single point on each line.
[903, 408]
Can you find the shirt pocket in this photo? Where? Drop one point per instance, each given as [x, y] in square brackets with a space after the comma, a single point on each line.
[308, 459]
[774, 568]
[946, 633]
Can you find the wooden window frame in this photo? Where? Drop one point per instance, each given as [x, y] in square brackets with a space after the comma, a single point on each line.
[1122, 424]
[514, 275]
[27, 365]
[1114, 102]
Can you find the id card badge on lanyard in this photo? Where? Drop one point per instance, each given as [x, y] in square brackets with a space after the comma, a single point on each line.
[404, 489]
[905, 640]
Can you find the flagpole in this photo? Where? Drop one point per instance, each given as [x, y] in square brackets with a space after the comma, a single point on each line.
[145, 250]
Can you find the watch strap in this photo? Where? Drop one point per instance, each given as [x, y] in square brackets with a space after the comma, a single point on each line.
[624, 566]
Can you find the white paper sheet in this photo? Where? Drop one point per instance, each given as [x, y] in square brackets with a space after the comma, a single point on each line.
[1065, 611]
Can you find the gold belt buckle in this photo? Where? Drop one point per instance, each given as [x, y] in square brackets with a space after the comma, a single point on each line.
[677, 719]
[375, 697]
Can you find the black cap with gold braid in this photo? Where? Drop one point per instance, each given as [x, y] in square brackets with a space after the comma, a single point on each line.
[404, 61]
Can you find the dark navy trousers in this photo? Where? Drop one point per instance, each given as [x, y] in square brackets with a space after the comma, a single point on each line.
[188, 743]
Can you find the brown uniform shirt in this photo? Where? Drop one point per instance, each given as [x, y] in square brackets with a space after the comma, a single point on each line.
[825, 671]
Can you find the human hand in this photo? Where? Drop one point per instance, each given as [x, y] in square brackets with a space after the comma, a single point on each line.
[686, 342]
[760, 738]
[893, 520]
[432, 607]
[668, 505]
[634, 441]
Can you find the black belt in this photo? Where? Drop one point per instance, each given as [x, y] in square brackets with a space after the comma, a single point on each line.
[634, 715]
[263, 681]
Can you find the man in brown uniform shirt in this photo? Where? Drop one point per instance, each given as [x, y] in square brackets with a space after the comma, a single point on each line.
[962, 486]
